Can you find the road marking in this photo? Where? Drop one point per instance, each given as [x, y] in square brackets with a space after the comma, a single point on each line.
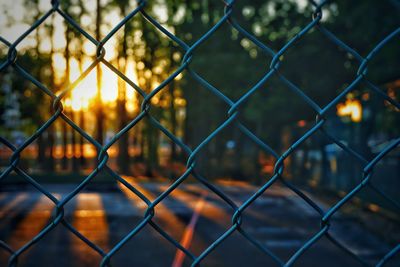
[189, 231]
[211, 210]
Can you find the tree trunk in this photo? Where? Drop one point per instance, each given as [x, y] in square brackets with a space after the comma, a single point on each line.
[64, 133]
[42, 145]
[82, 125]
[172, 112]
[99, 106]
[51, 130]
[123, 143]
[75, 165]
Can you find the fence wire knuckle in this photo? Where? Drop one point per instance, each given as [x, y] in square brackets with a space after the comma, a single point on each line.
[192, 153]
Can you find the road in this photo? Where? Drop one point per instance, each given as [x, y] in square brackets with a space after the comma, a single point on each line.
[192, 215]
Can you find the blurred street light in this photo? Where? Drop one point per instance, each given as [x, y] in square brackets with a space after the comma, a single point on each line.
[351, 108]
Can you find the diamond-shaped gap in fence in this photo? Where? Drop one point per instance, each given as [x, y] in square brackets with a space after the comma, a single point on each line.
[234, 155]
[127, 148]
[245, 53]
[145, 55]
[214, 115]
[134, 81]
[212, 152]
[254, 161]
[159, 127]
[318, 80]
[78, 20]
[273, 111]
[175, 183]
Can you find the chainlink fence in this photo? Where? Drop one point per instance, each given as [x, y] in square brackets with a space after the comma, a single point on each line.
[192, 153]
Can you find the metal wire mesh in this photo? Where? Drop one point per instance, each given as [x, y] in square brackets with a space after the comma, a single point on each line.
[192, 153]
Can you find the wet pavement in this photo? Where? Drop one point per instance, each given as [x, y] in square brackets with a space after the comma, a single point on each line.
[279, 220]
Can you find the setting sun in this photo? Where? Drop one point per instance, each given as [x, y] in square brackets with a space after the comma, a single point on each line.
[85, 92]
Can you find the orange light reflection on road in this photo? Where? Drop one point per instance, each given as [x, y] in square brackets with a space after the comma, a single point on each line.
[90, 220]
[37, 219]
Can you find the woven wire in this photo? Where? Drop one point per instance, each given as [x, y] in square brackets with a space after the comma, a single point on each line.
[192, 153]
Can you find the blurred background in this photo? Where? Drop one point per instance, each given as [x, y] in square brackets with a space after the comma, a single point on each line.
[101, 104]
